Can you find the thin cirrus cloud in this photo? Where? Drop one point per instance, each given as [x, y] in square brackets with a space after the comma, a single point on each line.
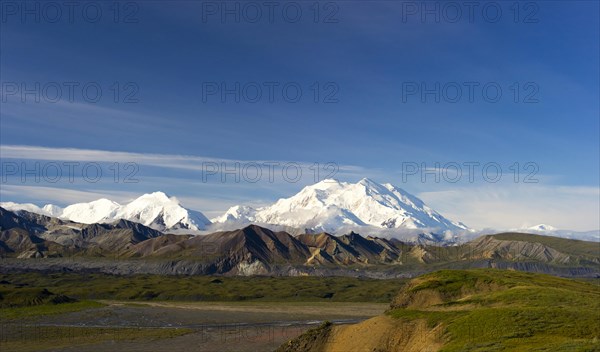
[188, 162]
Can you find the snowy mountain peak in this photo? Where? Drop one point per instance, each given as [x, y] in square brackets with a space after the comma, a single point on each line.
[159, 211]
[237, 213]
[324, 185]
[92, 212]
[334, 206]
[548, 230]
[157, 197]
[367, 182]
[542, 227]
[16, 207]
[52, 210]
[102, 202]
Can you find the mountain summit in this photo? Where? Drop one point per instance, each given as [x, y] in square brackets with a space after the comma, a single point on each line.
[331, 205]
[541, 227]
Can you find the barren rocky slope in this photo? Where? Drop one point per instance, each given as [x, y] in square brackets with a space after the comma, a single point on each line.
[128, 247]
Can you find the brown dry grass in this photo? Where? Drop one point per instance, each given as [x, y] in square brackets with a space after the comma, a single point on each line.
[383, 333]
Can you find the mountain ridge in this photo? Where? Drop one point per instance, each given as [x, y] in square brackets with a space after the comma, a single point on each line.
[254, 250]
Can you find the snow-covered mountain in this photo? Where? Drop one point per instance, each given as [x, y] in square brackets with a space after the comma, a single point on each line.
[48, 209]
[541, 227]
[52, 210]
[155, 210]
[236, 213]
[331, 205]
[101, 210]
[548, 230]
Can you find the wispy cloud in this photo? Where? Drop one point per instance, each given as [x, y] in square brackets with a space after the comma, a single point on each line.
[187, 162]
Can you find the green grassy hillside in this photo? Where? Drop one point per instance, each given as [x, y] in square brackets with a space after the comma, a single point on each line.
[493, 310]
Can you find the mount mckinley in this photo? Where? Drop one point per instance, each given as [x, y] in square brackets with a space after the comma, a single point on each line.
[338, 207]
[328, 206]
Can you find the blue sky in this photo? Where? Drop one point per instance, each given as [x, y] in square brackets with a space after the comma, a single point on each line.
[364, 62]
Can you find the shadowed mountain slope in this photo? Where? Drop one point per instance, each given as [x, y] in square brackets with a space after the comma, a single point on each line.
[255, 250]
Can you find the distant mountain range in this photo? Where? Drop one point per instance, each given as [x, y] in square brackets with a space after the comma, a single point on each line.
[126, 247]
[155, 210]
[330, 206]
[549, 230]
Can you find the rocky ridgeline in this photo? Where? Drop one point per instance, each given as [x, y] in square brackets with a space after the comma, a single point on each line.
[125, 247]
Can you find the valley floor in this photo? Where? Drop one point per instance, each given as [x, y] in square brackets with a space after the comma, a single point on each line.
[175, 326]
